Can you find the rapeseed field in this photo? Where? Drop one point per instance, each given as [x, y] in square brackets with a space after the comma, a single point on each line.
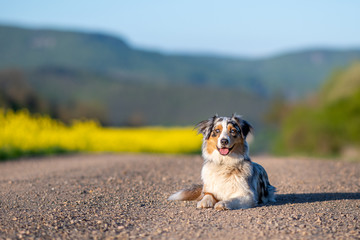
[22, 133]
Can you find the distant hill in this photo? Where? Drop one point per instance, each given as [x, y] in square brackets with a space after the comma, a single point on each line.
[293, 74]
[128, 103]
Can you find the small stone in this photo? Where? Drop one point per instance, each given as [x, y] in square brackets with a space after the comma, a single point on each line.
[302, 226]
[318, 220]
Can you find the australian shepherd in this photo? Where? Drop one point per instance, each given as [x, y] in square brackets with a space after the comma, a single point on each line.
[230, 179]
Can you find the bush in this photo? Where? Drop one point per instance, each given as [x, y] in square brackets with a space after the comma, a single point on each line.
[326, 126]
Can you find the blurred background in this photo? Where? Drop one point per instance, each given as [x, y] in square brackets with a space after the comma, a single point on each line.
[292, 69]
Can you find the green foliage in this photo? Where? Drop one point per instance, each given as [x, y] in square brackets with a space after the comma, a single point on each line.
[16, 93]
[329, 126]
[12, 153]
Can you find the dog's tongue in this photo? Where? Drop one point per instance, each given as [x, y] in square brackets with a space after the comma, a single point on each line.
[224, 151]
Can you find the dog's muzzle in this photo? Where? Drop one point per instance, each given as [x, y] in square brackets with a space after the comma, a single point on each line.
[224, 150]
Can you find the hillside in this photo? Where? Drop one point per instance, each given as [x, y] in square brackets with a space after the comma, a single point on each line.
[71, 94]
[72, 74]
[327, 124]
[342, 84]
[294, 74]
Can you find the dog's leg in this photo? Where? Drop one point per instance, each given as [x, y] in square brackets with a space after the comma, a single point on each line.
[236, 203]
[208, 201]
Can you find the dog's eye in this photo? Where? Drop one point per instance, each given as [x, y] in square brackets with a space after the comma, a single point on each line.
[233, 131]
[215, 132]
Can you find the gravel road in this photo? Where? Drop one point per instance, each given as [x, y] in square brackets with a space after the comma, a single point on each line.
[125, 197]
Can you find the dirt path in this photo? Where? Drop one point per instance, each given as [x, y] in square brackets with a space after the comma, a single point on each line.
[124, 196]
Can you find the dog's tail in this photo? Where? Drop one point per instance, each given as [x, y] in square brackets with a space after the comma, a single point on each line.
[189, 194]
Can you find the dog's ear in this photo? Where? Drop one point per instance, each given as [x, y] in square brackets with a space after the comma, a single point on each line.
[205, 127]
[245, 126]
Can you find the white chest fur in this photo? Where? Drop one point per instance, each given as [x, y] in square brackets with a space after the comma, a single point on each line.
[226, 181]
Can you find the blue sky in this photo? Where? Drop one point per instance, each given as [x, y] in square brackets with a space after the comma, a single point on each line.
[229, 27]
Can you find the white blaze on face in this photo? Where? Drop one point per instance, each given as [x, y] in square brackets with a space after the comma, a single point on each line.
[224, 134]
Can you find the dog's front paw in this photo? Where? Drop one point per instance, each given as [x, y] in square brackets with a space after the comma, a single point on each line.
[221, 206]
[206, 202]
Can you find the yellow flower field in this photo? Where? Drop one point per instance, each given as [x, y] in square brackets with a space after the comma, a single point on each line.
[24, 134]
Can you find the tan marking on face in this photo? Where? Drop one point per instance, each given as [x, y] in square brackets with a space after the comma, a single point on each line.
[238, 143]
[212, 141]
[236, 140]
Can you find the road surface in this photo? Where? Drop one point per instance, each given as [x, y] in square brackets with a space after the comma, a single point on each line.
[125, 197]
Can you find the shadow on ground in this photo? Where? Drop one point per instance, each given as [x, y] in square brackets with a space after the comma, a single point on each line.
[313, 197]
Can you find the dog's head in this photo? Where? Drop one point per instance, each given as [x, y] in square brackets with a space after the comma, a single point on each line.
[226, 135]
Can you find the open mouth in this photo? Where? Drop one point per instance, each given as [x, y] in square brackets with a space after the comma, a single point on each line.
[225, 151]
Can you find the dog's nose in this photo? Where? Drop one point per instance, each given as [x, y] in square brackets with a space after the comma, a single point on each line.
[224, 141]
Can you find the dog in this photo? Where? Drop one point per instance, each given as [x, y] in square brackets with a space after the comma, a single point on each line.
[230, 179]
